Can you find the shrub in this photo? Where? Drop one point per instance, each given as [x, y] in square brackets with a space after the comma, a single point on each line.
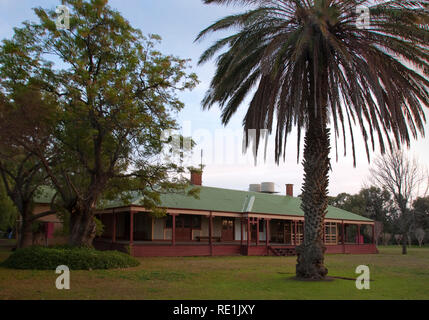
[43, 258]
[99, 227]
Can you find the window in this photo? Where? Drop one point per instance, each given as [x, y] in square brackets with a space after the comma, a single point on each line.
[169, 222]
[261, 225]
[299, 237]
[331, 236]
[227, 223]
[196, 222]
[184, 221]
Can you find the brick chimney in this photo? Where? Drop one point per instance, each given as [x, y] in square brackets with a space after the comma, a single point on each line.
[196, 178]
[289, 190]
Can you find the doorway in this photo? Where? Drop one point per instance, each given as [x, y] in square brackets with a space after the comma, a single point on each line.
[227, 229]
[288, 232]
[183, 228]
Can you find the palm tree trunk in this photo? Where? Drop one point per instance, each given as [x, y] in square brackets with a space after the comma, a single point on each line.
[315, 189]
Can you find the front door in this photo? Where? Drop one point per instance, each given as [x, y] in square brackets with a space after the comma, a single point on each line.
[254, 232]
[227, 229]
[183, 228]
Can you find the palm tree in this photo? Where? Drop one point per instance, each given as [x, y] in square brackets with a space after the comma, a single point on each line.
[309, 64]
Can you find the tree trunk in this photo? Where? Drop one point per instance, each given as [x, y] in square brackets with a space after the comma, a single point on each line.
[314, 194]
[25, 238]
[82, 228]
[25, 234]
[316, 163]
[404, 243]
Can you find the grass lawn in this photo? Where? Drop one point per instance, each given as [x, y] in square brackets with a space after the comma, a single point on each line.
[393, 276]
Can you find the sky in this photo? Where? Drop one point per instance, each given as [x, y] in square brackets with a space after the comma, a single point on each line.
[178, 22]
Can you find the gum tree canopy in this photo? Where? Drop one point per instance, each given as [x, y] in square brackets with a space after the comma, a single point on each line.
[115, 95]
[309, 64]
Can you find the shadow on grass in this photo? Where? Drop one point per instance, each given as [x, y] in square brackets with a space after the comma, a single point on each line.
[328, 278]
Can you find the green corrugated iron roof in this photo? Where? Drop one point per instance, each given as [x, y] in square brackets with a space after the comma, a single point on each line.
[225, 200]
[218, 199]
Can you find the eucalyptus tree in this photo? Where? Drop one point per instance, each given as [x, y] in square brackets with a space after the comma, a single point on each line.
[115, 94]
[316, 66]
[23, 116]
[27, 120]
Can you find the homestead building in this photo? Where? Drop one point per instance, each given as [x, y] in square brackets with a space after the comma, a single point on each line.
[227, 222]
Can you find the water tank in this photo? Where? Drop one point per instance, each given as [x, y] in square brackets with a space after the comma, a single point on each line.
[256, 187]
[267, 187]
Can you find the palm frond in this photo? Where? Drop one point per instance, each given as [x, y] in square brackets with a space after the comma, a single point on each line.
[376, 78]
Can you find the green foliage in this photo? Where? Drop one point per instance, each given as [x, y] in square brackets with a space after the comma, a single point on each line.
[64, 217]
[114, 93]
[352, 203]
[43, 258]
[372, 202]
[27, 117]
[377, 204]
[198, 169]
[99, 227]
[420, 211]
[36, 226]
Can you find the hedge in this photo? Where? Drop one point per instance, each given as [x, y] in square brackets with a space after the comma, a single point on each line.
[49, 258]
